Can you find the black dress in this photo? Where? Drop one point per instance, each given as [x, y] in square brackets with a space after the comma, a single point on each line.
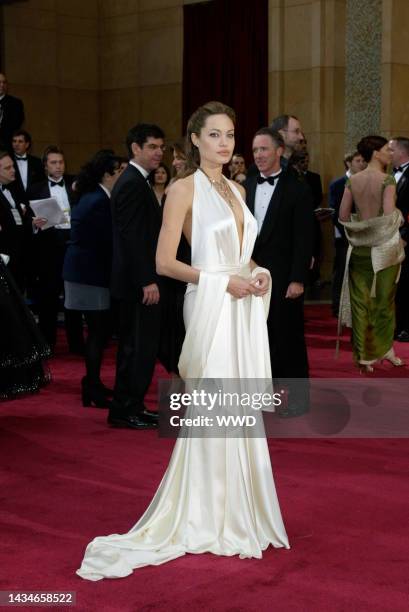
[172, 325]
[22, 347]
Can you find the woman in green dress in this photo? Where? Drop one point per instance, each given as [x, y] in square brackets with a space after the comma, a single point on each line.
[374, 256]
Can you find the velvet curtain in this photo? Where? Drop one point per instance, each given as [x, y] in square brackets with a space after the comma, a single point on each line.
[225, 58]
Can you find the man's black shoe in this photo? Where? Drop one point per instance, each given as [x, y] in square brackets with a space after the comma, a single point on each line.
[131, 422]
[149, 416]
[403, 336]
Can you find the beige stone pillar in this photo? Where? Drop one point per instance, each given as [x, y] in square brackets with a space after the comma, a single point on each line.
[307, 79]
[395, 68]
[363, 70]
[51, 59]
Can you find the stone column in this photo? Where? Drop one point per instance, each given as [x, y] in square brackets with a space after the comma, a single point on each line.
[395, 68]
[363, 70]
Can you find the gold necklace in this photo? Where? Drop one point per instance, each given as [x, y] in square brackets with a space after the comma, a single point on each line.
[222, 188]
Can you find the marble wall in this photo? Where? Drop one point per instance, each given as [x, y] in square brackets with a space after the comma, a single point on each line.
[50, 55]
[141, 46]
[87, 71]
[363, 70]
[307, 79]
[307, 74]
[395, 68]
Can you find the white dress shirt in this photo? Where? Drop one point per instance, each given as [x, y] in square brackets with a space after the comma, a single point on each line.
[264, 193]
[60, 194]
[14, 209]
[398, 175]
[23, 169]
[105, 189]
[144, 172]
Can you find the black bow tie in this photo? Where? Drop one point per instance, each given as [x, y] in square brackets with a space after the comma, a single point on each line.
[59, 183]
[5, 188]
[271, 179]
[21, 158]
[398, 169]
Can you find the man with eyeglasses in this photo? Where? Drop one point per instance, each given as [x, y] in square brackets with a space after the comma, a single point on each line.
[291, 131]
[136, 221]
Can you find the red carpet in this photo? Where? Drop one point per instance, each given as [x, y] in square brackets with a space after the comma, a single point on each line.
[66, 478]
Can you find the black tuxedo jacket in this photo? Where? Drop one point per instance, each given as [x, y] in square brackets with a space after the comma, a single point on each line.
[13, 117]
[314, 181]
[284, 244]
[41, 190]
[136, 221]
[89, 255]
[35, 172]
[336, 191]
[51, 237]
[402, 202]
[9, 228]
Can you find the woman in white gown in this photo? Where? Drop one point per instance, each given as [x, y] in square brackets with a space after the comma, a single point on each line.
[217, 494]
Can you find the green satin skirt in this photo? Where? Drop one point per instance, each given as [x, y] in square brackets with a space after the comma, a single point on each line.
[373, 318]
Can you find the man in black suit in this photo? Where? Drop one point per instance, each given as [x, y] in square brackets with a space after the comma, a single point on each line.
[400, 159]
[136, 219]
[15, 221]
[353, 162]
[29, 169]
[50, 246]
[282, 206]
[300, 161]
[11, 113]
[312, 178]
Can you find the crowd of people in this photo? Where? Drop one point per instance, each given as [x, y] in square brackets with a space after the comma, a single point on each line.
[207, 274]
[101, 255]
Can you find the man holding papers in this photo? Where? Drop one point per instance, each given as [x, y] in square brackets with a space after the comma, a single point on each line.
[50, 246]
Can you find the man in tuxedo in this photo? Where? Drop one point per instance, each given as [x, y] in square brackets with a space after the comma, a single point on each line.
[282, 206]
[50, 246]
[29, 169]
[300, 161]
[136, 219]
[15, 221]
[11, 113]
[353, 162]
[400, 158]
[312, 178]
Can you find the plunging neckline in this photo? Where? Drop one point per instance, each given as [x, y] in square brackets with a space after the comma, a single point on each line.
[239, 199]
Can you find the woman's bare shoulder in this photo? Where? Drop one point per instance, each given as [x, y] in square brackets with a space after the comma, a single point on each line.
[182, 187]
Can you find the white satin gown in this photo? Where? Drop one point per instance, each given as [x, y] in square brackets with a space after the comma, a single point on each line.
[217, 494]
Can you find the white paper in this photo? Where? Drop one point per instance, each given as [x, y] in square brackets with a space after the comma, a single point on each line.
[48, 209]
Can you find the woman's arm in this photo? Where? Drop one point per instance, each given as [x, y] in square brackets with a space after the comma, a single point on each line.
[346, 205]
[177, 208]
[389, 199]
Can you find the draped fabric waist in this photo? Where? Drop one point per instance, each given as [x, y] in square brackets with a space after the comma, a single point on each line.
[210, 296]
[243, 270]
[381, 235]
[240, 269]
